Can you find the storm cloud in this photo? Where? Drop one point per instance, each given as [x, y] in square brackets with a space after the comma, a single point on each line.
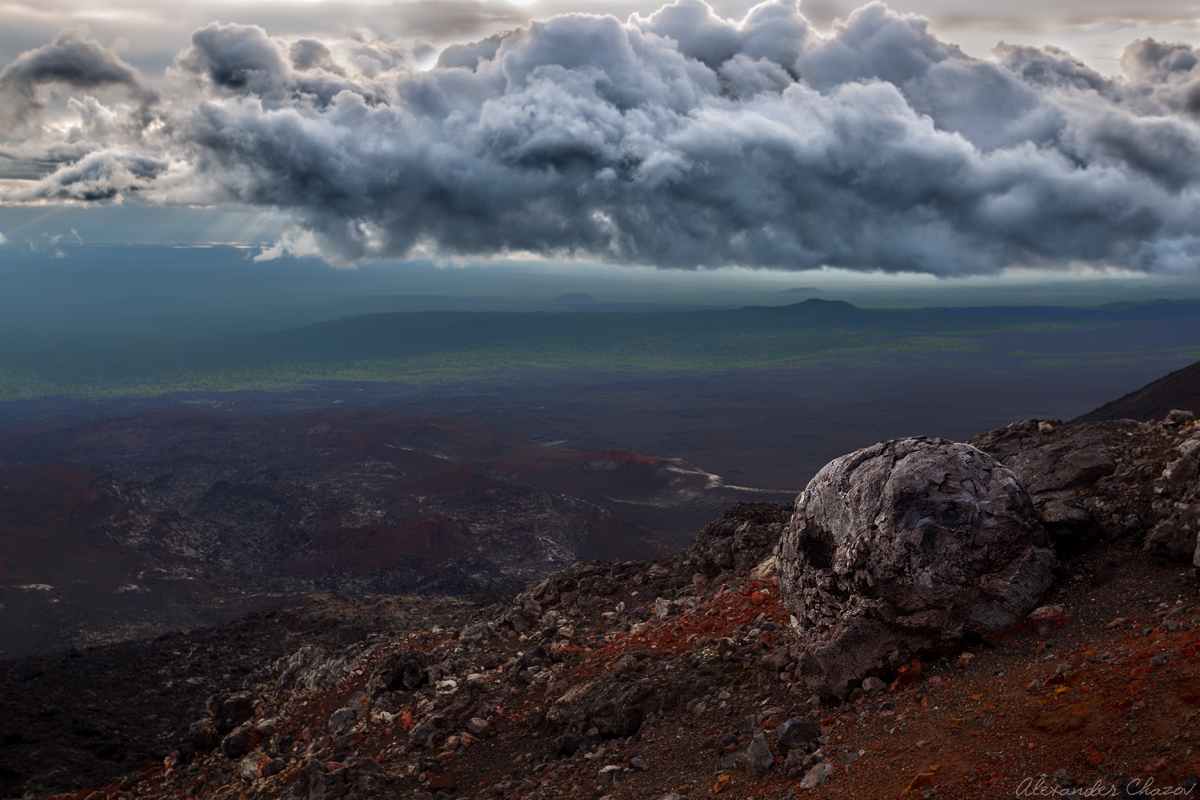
[69, 60]
[679, 139]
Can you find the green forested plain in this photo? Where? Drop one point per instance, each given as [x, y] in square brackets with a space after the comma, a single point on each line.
[428, 347]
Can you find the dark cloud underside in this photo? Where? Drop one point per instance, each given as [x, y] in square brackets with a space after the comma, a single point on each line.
[680, 139]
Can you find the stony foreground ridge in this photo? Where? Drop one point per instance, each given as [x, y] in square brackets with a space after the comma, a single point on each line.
[639, 680]
[1109, 480]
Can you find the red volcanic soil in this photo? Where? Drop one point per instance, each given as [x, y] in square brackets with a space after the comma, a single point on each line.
[66, 579]
[47, 516]
[1105, 694]
[345, 501]
[421, 543]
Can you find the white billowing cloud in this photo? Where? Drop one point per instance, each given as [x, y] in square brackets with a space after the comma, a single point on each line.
[678, 139]
[300, 244]
[3, 239]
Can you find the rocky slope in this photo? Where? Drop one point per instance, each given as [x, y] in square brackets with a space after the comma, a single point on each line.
[676, 679]
[126, 527]
[688, 677]
[1179, 390]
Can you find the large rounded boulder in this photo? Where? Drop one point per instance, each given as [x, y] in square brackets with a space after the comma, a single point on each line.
[904, 548]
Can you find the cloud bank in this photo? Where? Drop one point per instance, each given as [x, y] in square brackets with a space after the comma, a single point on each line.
[680, 139]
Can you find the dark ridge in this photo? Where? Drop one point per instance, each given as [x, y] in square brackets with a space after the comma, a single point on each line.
[1180, 389]
[1154, 310]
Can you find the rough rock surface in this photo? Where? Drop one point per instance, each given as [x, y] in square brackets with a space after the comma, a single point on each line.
[736, 540]
[1108, 480]
[902, 548]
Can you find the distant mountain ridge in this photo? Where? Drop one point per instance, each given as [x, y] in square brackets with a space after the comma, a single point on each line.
[441, 347]
[722, 334]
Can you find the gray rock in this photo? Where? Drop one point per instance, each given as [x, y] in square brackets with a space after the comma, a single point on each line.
[399, 671]
[1056, 463]
[743, 533]
[1055, 466]
[1079, 477]
[776, 660]
[1178, 417]
[237, 743]
[229, 711]
[516, 621]
[902, 548]
[428, 731]
[343, 720]
[203, 736]
[665, 608]
[609, 775]
[873, 685]
[1176, 532]
[733, 758]
[796, 764]
[474, 634]
[815, 778]
[480, 728]
[1068, 521]
[759, 758]
[798, 733]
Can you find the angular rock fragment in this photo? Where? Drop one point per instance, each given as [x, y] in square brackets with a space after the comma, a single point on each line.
[237, 743]
[732, 542]
[798, 733]
[1114, 479]
[609, 775]
[342, 720]
[905, 547]
[474, 634]
[759, 758]
[815, 777]
[229, 711]
[1054, 465]
[399, 671]
[480, 728]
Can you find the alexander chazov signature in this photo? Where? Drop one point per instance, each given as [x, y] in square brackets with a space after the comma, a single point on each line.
[1040, 787]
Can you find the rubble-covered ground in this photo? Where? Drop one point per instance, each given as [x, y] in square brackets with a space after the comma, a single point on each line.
[638, 680]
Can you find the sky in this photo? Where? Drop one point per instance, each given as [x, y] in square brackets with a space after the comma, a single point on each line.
[953, 140]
